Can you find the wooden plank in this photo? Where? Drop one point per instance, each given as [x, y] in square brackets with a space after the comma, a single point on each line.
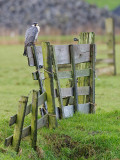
[109, 61]
[8, 141]
[42, 98]
[57, 111]
[105, 70]
[81, 52]
[109, 25]
[65, 74]
[75, 91]
[29, 52]
[68, 83]
[68, 111]
[83, 56]
[110, 33]
[106, 52]
[85, 38]
[90, 38]
[34, 116]
[68, 92]
[56, 77]
[92, 79]
[31, 62]
[12, 120]
[83, 90]
[42, 122]
[62, 54]
[49, 83]
[38, 52]
[37, 64]
[27, 130]
[39, 55]
[28, 109]
[19, 123]
[79, 73]
[83, 73]
[64, 67]
[84, 108]
[114, 50]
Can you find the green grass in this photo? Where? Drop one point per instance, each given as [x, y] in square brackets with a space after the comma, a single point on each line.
[80, 137]
[101, 3]
[53, 39]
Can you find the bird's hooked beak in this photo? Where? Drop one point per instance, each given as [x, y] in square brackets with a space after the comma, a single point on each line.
[35, 24]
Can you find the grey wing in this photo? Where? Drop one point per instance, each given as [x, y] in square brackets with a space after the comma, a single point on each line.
[30, 35]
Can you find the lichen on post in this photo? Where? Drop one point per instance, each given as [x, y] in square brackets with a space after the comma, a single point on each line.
[85, 38]
[49, 83]
[19, 123]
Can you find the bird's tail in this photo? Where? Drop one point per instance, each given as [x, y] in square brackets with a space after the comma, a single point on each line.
[25, 51]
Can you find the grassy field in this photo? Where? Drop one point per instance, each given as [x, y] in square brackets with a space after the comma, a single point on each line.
[110, 4]
[93, 137]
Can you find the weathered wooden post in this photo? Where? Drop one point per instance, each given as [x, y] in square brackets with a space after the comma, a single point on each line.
[75, 92]
[38, 75]
[56, 77]
[19, 123]
[49, 84]
[92, 78]
[110, 33]
[34, 119]
[85, 38]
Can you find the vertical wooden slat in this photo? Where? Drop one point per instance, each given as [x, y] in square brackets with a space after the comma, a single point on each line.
[75, 93]
[49, 84]
[92, 79]
[39, 75]
[110, 33]
[34, 119]
[56, 77]
[19, 123]
[90, 39]
[114, 51]
[79, 67]
[85, 38]
[67, 83]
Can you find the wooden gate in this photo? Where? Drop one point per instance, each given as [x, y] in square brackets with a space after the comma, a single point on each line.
[58, 62]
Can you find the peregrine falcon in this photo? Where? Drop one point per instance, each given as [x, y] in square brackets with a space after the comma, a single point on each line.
[31, 36]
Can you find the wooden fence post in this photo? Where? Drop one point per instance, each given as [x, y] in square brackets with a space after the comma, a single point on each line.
[110, 33]
[19, 123]
[75, 93]
[56, 77]
[49, 84]
[85, 38]
[92, 78]
[34, 119]
[39, 75]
